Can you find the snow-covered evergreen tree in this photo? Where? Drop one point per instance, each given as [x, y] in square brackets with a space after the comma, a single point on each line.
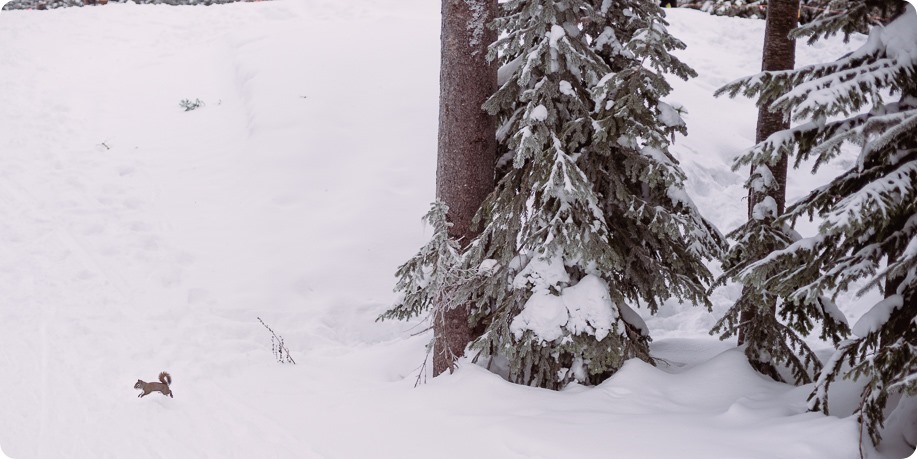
[768, 342]
[428, 283]
[869, 213]
[809, 10]
[591, 220]
[429, 277]
[755, 9]
[52, 4]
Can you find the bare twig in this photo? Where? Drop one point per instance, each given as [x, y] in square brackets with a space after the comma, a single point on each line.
[422, 331]
[281, 353]
[423, 367]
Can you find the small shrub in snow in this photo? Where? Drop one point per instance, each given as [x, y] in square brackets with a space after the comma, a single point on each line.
[52, 4]
[278, 348]
[189, 104]
[755, 9]
[41, 4]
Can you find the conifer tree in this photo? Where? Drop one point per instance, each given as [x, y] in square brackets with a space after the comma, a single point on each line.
[464, 176]
[869, 213]
[808, 10]
[466, 151]
[768, 342]
[428, 278]
[755, 9]
[589, 219]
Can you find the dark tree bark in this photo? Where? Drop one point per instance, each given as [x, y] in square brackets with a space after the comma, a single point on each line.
[467, 145]
[779, 54]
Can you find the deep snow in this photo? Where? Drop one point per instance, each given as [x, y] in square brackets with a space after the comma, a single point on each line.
[136, 237]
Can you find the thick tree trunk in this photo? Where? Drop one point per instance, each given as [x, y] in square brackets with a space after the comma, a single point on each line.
[779, 54]
[467, 145]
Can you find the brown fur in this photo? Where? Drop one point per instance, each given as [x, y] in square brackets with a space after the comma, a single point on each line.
[162, 386]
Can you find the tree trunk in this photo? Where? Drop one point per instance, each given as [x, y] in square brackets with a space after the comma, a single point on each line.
[779, 54]
[467, 145]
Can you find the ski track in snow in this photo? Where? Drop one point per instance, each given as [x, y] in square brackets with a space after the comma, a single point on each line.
[135, 238]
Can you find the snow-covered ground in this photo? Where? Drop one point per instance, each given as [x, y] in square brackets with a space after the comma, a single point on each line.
[136, 237]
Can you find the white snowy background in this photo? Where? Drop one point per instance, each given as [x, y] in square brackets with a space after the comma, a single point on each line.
[136, 237]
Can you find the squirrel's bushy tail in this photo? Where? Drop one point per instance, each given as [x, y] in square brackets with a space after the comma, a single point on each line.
[165, 378]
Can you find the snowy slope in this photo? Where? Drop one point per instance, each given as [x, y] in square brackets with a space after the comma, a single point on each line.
[136, 237]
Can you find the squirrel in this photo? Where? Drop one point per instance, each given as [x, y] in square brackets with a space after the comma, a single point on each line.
[162, 386]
